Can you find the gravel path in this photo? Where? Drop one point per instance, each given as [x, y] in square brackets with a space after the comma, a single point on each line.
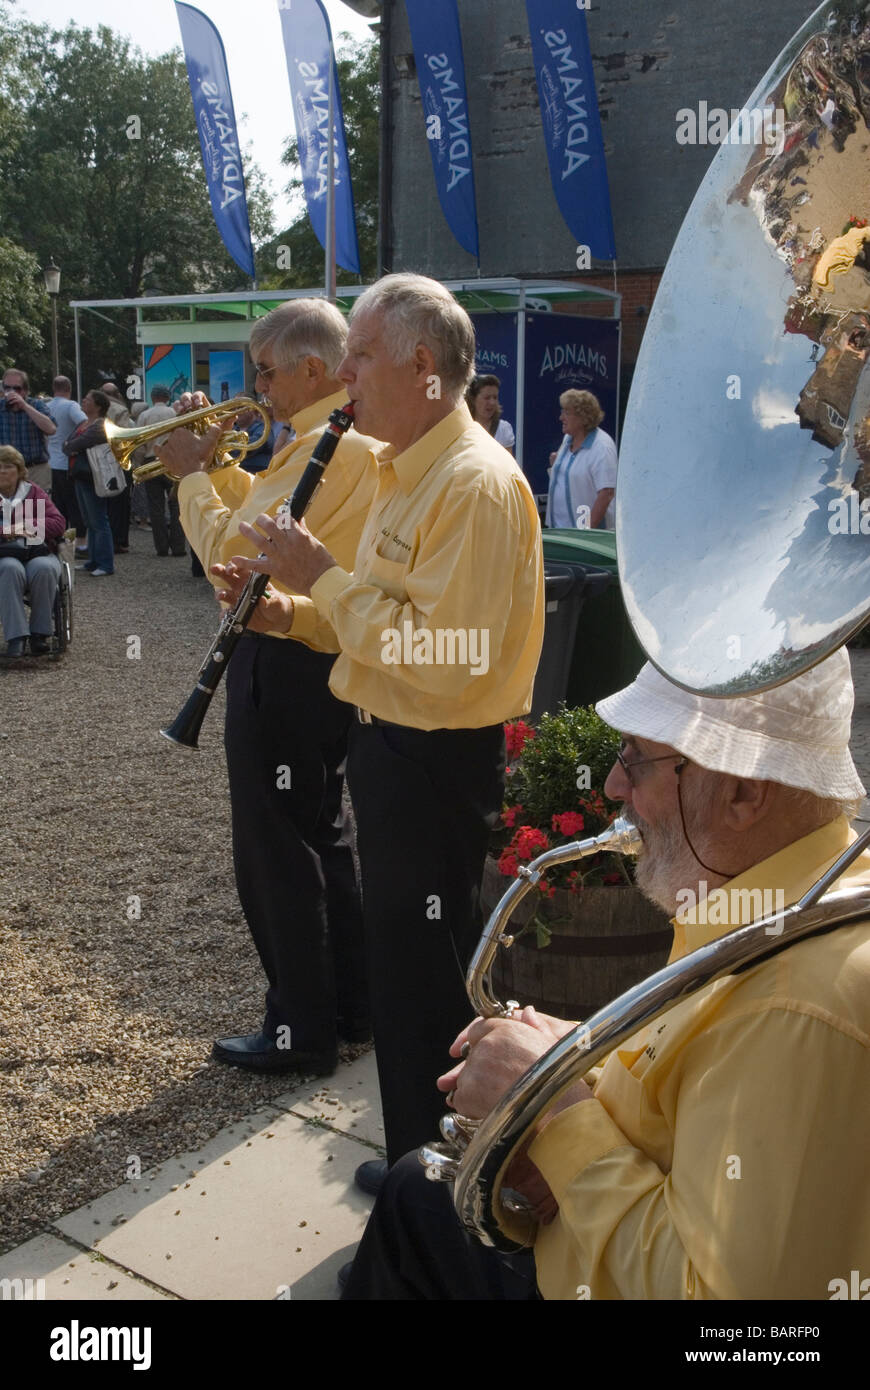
[107, 1018]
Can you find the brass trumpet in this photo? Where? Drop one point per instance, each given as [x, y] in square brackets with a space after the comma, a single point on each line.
[124, 443]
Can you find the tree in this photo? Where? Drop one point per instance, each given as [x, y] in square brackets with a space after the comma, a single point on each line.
[359, 80]
[107, 177]
[24, 304]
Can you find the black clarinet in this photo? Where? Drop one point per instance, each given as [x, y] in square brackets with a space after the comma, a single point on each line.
[184, 730]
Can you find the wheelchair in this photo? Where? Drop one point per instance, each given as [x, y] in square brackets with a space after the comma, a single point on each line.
[62, 612]
[63, 599]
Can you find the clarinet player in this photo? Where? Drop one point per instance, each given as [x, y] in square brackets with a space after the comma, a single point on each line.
[439, 629]
[286, 733]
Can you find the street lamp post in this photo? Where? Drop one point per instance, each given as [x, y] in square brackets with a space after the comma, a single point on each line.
[52, 285]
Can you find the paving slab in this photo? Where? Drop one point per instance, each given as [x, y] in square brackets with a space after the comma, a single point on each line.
[50, 1268]
[272, 1208]
[348, 1101]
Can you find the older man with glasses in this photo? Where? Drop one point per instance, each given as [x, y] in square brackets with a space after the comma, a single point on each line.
[721, 1152]
[26, 424]
[286, 734]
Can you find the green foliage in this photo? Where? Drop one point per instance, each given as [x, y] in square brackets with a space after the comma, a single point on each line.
[24, 305]
[122, 216]
[359, 79]
[554, 796]
[545, 781]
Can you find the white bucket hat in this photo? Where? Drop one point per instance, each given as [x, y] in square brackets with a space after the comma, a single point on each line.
[796, 734]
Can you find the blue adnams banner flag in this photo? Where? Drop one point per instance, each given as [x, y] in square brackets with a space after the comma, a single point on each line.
[308, 48]
[437, 45]
[218, 136]
[572, 125]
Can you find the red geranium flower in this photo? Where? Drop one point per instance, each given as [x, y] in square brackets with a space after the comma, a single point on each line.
[509, 816]
[529, 842]
[516, 736]
[507, 864]
[569, 823]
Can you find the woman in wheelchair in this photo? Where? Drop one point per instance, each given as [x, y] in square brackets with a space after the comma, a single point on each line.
[31, 530]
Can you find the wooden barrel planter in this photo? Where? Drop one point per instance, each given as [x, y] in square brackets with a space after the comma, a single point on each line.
[604, 940]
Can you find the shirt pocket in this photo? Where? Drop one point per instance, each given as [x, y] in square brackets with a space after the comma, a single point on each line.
[389, 575]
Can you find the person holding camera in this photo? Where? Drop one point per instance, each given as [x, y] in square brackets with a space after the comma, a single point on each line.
[25, 423]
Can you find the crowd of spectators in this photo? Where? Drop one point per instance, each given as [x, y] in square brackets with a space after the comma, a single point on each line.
[44, 455]
[47, 490]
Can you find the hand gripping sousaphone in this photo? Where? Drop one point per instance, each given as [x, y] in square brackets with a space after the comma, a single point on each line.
[744, 550]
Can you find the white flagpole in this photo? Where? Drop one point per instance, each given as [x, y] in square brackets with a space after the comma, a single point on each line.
[330, 187]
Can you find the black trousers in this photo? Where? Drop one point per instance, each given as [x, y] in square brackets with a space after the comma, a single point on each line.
[162, 493]
[63, 495]
[119, 517]
[286, 742]
[415, 1248]
[425, 804]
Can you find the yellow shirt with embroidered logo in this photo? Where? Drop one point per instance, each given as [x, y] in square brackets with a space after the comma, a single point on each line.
[724, 1155]
[440, 625]
[212, 504]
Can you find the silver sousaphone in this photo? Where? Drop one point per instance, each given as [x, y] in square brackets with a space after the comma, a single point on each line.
[744, 548]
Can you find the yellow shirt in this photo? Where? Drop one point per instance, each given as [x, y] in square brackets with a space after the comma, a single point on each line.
[839, 256]
[725, 1154]
[212, 504]
[441, 623]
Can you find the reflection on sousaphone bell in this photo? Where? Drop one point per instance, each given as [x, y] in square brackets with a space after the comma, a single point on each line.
[233, 445]
[733, 576]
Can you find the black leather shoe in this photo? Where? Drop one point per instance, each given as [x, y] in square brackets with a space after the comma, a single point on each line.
[15, 648]
[259, 1053]
[370, 1177]
[39, 646]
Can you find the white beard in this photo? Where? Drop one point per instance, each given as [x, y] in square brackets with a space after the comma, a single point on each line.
[666, 865]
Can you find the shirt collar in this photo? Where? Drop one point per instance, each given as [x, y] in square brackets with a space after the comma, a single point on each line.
[314, 414]
[21, 491]
[589, 440]
[412, 464]
[788, 873]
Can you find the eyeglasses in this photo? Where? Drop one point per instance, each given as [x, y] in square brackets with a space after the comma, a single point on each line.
[265, 372]
[629, 767]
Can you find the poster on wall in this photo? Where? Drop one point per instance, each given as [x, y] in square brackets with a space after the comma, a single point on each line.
[496, 355]
[226, 375]
[169, 365]
[564, 352]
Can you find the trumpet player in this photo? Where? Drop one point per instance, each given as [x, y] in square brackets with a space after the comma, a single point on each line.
[286, 733]
[439, 629]
[721, 1153]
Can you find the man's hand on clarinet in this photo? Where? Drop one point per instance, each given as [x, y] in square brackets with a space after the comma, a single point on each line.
[293, 556]
[274, 611]
[184, 452]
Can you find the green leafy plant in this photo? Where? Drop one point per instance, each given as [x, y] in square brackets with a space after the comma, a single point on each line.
[555, 795]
